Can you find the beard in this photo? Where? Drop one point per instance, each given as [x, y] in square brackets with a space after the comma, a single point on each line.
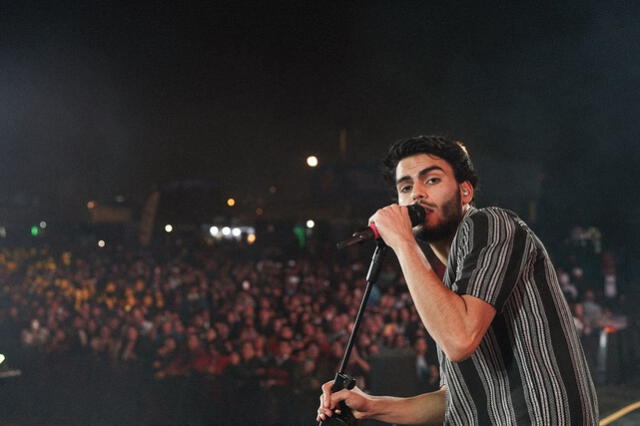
[451, 214]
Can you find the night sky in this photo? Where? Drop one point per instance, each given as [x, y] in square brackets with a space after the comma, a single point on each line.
[98, 100]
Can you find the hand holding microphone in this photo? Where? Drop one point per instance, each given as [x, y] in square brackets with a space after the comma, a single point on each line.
[416, 216]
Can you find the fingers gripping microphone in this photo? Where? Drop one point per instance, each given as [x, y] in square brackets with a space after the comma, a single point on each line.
[416, 214]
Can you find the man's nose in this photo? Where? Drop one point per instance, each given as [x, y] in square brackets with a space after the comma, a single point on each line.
[419, 192]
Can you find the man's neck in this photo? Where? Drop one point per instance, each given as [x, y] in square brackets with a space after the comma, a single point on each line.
[441, 249]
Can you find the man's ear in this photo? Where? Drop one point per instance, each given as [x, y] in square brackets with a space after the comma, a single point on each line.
[466, 192]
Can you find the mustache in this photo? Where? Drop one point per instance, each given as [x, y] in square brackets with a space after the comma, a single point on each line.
[428, 204]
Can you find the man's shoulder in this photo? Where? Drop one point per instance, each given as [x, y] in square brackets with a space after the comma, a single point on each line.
[491, 216]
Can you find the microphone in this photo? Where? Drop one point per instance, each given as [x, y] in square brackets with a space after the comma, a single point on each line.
[416, 214]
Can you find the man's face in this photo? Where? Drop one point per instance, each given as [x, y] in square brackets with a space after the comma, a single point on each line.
[430, 181]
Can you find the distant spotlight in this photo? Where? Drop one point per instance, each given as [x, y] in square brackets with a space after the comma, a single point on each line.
[3, 232]
[214, 231]
[310, 224]
[43, 224]
[91, 204]
[2, 358]
[259, 211]
[236, 232]
[101, 243]
[168, 228]
[226, 231]
[120, 199]
[312, 161]
[231, 202]
[35, 231]
[251, 238]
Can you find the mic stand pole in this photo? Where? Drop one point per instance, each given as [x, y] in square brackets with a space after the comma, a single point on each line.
[343, 380]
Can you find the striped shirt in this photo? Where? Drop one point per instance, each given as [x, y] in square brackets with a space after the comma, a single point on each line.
[529, 368]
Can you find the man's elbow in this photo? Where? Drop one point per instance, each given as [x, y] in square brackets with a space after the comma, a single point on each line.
[460, 350]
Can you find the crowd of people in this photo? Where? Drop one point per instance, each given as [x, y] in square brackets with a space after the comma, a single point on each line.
[211, 332]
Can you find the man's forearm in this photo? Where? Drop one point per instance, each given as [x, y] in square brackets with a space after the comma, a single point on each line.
[424, 409]
[445, 314]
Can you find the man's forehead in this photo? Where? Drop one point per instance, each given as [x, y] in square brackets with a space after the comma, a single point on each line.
[413, 165]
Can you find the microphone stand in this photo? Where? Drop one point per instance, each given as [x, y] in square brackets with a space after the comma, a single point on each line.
[343, 380]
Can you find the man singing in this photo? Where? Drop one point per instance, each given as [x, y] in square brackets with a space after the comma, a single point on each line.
[508, 349]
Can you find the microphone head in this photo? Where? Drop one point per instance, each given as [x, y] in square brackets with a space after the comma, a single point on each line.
[416, 214]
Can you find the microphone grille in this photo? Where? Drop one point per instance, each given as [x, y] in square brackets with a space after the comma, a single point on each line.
[416, 214]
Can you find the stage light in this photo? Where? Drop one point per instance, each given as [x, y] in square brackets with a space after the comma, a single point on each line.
[3, 232]
[251, 238]
[43, 224]
[312, 161]
[91, 204]
[168, 228]
[2, 358]
[236, 232]
[101, 243]
[35, 231]
[310, 224]
[226, 231]
[214, 231]
[231, 202]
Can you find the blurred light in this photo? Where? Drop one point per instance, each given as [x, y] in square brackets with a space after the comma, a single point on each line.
[259, 211]
[273, 189]
[2, 358]
[214, 231]
[236, 232]
[310, 224]
[3, 232]
[168, 228]
[251, 238]
[35, 231]
[226, 231]
[101, 243]
[91, 204]
[231, 202]
[312, 161]
[120, 198]
[299, 233]
[43, 224]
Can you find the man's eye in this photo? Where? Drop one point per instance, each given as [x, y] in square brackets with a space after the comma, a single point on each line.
[432, 180]
[405, 188]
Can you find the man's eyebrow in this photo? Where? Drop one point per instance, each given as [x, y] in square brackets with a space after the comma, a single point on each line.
[423, 172]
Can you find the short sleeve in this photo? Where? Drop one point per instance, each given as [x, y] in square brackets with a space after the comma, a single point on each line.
[494, 256]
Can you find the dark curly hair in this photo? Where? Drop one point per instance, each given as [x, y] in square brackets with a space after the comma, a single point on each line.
[454, 153]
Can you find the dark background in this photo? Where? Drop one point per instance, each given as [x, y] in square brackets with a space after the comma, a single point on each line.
[99, 100]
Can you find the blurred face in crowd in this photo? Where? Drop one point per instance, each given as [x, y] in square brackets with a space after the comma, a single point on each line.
[313, 351]
[421, 346]
[193, 343]
[429, 180]
[285, 349]
[132, 333]
[286, 333]
[211, 335]
[247, 351]
[308, 329]
[170, 343]
[105, 332]
[234, 358]
[167, 328]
